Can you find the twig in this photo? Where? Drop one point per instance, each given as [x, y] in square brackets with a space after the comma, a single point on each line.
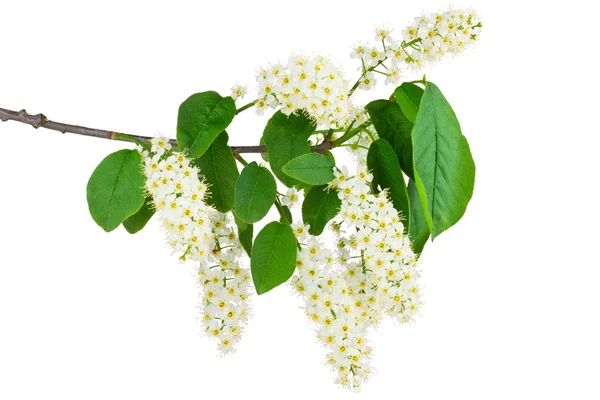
[40, 121]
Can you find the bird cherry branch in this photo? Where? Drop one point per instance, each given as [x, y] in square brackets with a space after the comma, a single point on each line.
[40, 121]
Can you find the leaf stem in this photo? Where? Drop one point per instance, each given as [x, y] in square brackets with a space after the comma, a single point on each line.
[281, 212]
[245, 107]
[241, 160]
[380, 72]
[285, 218]
[328, 132]
[421, 81]
[129, 138]
[370, 134]
[354, 145]
[380, 62]
[350, 134]
[357, 83]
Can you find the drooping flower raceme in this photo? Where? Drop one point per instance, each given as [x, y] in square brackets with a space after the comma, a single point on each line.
[339, 300]
[371, 273]
[226, 287]
[372, 229]
[202, 235]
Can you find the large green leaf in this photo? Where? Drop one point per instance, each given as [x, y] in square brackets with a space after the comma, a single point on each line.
[219, 168]
[311, 168]
[286, 137]
[201, 118]
[408, 95]
[320, 206]
[444, 167]
[383, 163]
[391, 125]
[115, 190]
[255, 193]
[273, 258]
[138, 221]
[418, 229]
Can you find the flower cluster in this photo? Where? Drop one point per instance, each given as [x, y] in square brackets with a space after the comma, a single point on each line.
[203, 235]
[371, 273]
[339, 300]
[372, 229]
[226, 287]
[427, 40]
[178, 195]
[313, 84]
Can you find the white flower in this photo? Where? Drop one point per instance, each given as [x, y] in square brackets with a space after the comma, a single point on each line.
[358, 51]
[368, 81]
[261, 105]
[373, 56]
[382, 33]
[300, 230]
[238, 91]
[291, 198]
[393, 75]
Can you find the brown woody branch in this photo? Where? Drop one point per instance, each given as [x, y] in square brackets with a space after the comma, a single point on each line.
[40, 121]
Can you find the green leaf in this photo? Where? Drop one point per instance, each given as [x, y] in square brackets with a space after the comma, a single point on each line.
[286, 137]
[330, 155]
[273, 258]
[115, 190]
[242, 225]
[246, 239]
[303, 186]
[311, 168]
[286, 218]
[418, 229]
[408, 95]
[138, 221]
[245, 234]
[255, 193]
[201, 118]
[382, 162]
[219, 168]
[444, 167]
[393, 126]
[320, 206]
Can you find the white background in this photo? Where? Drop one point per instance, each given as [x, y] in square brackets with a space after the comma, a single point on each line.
[512, 292]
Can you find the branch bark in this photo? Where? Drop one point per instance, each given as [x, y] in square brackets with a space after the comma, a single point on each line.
[40, 121]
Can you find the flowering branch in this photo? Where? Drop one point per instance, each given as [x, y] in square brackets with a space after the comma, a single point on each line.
[380, 216]
[40, 121]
